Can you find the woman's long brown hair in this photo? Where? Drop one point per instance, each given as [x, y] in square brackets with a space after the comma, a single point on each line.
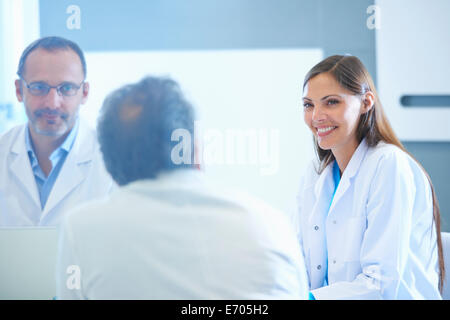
[373, 125]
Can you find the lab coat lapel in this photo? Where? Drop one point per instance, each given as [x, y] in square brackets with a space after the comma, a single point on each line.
[72, 173]
[21, 167]
[351, 170]
[324, 184]
[323, 191]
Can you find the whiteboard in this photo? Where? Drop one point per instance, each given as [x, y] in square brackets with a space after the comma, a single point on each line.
[254, 91]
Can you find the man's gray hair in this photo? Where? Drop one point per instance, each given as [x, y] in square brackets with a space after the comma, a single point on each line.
[136, 125]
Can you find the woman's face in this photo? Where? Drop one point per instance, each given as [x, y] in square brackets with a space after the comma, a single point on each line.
[332, 113]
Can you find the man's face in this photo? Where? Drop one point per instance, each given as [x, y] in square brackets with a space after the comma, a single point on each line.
[52, 114]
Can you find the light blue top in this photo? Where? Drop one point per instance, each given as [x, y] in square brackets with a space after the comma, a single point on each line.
[43, 183]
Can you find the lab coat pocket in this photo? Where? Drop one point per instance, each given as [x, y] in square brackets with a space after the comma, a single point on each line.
[353, 235]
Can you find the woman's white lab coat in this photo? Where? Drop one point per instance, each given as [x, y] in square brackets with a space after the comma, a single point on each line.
[377, 239]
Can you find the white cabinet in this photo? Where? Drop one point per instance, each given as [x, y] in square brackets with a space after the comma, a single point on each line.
[413, 59]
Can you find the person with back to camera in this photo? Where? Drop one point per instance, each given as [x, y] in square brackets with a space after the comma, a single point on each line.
[369, 221]
[167, 233]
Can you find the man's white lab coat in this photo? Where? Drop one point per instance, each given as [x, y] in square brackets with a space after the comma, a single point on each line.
[82, 178]
[177, 237]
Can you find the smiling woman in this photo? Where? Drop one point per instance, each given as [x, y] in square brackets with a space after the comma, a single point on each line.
[333, 117]
[364, 175]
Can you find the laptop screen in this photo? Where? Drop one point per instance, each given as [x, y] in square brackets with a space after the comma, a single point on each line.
[27, 262]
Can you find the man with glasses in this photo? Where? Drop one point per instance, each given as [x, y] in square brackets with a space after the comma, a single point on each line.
[52, 163]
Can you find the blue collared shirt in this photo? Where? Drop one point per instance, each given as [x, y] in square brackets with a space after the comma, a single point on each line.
[57, 158]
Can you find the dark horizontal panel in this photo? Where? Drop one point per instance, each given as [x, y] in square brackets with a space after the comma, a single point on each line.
[411, 101]
[184, 24]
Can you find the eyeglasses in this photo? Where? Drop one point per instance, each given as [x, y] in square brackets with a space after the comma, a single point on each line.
[66, 89]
